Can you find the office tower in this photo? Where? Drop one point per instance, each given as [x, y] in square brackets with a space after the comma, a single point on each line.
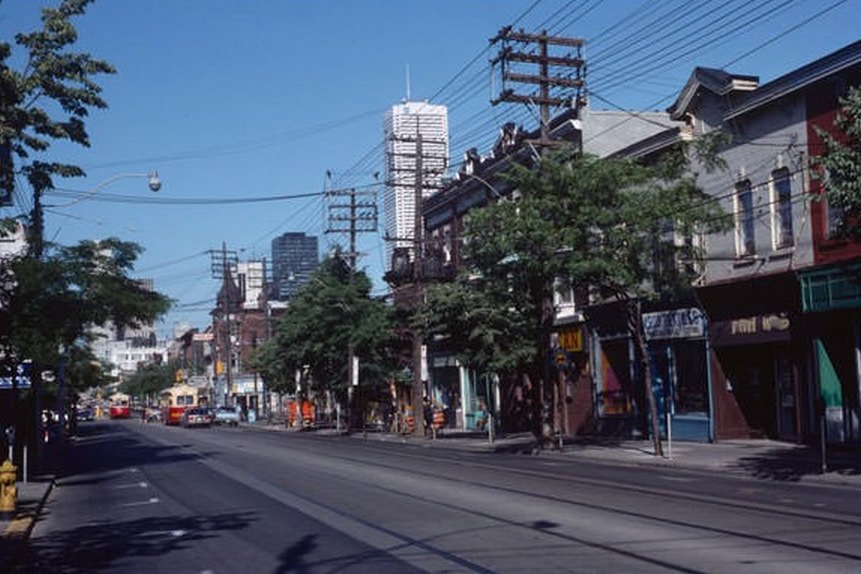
[404, 126]
[294, 258]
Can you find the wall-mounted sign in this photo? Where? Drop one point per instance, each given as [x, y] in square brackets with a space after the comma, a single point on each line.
[755, 329]
[676, 324]
[570, 339]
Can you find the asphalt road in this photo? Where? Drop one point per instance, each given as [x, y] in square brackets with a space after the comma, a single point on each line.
[149, 498]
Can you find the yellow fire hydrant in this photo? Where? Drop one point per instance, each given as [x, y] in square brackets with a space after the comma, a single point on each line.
[8, 490]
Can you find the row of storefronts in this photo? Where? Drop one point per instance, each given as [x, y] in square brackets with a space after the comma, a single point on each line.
[774, 357]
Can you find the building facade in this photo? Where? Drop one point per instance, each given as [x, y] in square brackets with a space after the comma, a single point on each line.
[294, 258]
[778, 288]
[410, 130]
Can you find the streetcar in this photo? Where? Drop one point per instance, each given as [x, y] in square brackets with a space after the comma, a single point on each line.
[119, 406]
[175, 400]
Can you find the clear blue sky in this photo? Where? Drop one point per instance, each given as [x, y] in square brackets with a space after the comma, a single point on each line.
[243, 99]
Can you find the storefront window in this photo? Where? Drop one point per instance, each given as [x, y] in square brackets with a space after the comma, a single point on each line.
[691, 388]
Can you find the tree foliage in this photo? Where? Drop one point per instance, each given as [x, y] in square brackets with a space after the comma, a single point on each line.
[604, 226]
[839, 165]
[332, 312]
[149, 380]
[52, 302]
[48, 100]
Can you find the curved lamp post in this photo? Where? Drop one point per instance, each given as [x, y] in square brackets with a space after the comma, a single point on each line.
[153, 181]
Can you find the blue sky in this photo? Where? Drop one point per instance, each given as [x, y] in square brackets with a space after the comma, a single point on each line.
[247, 100]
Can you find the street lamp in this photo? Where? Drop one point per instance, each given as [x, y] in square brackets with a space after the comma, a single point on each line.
[485, 183]
[153, 182]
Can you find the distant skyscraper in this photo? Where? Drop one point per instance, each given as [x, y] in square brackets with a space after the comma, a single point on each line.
[294, 258]
[402, 126]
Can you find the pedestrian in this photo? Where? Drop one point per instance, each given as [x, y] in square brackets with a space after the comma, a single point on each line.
[428, 415]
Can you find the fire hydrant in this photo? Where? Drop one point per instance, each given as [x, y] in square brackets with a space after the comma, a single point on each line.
[8, 490]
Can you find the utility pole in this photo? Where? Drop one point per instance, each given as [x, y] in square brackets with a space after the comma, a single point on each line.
[360, 217]
[222, 263]
[558, 75]
[418, 278]
[555, 73]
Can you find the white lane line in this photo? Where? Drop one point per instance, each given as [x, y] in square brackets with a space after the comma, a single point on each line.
[152, 500]
[135, 485]
[677, 478]
[155, 533]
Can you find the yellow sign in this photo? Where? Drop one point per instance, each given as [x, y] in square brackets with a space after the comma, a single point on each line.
[571, 339]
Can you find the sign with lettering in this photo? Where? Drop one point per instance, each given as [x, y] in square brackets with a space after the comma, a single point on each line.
[571, 339]
[676, 324]
[766, 328]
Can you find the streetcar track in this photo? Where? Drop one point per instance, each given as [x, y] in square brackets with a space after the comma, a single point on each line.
[716, 501]
[609, 484]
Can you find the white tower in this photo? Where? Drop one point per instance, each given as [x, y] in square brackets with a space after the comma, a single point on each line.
[402, 126]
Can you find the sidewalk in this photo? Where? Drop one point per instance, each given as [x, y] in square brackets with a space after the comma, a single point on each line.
[15, 531]
[755, 458]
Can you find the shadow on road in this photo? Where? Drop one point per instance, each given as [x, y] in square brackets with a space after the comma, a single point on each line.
[92, 547]
[796, 463]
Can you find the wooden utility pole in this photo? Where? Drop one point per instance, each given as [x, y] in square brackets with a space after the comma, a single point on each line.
[222, 262]
[557, 74]
[418, 273]
[560, 83]
[360, 217]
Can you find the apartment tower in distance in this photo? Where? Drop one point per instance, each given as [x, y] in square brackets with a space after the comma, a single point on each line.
[408, 127]
[294, 258]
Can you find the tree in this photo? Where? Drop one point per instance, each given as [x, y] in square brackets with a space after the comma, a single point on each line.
[582, 222]
[838, 167]
[149, 380]
[53, 301]
[55, 82]
[331, 313]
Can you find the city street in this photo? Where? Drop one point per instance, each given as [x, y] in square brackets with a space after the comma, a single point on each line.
[150, 498]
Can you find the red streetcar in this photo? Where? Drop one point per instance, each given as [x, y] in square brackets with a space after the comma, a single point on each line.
[119, 406]
[175, 400]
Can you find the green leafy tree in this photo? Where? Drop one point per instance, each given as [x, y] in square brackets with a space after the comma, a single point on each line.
[53, 301]
[149, 380]
[45, 102]
[592, 224]
[838, 167]
[330, 314]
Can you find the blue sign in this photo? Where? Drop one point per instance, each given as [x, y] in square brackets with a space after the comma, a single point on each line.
[21, 380]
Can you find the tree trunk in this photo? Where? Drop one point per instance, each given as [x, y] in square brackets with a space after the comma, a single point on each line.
[635, 325]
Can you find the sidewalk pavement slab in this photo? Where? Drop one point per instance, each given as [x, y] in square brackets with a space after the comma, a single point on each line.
[15, 531]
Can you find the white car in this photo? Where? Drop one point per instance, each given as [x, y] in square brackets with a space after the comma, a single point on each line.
[227, 416]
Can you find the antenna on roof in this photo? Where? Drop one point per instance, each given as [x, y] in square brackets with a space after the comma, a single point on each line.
[408, 82]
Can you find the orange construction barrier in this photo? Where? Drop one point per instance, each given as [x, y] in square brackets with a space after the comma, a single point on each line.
[438, 419]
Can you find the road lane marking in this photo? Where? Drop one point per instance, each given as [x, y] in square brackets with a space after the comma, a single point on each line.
[152, 500]
[677, 478]
[135, 485]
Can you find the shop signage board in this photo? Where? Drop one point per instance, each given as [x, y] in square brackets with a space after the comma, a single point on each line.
[675, 324]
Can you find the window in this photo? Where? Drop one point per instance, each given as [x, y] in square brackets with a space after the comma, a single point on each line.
[744, 237]
[781, 208]
[833, 219]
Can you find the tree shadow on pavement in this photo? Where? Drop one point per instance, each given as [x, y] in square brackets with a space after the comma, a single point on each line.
[793, 464]
[96, 546]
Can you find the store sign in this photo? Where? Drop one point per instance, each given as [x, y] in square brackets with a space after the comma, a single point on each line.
[772, 327]
[759, 324]
[676, 324]
[21, 379]
[571, 340]
[203, 337]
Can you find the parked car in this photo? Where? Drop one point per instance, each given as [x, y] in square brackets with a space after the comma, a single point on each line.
[85, 414]
[227, 416]
[196, 417]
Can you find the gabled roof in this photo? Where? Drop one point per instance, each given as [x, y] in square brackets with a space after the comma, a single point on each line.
[716, 81]
[800, 78]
